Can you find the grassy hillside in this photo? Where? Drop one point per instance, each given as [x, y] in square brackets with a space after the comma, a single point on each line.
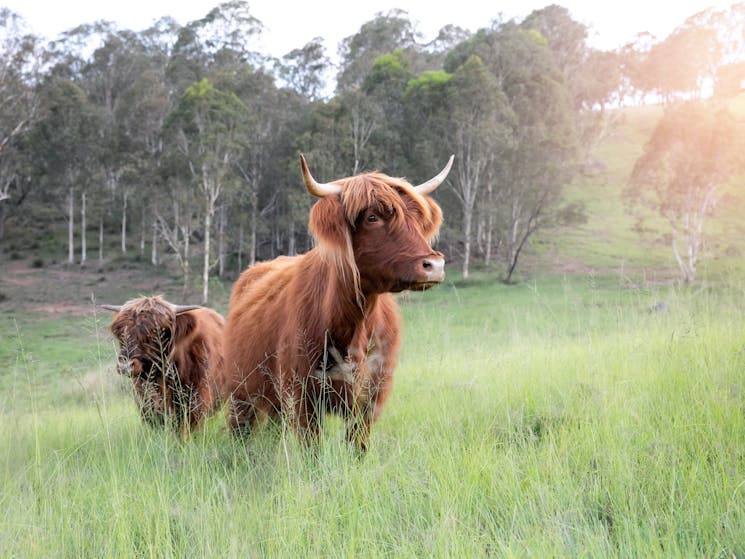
[635, 245]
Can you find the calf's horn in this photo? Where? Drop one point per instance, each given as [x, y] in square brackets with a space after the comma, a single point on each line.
[115, 308]
[178, 309]
[434, 182]
[321, 190]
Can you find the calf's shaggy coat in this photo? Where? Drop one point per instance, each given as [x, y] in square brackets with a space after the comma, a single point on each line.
[170, 352]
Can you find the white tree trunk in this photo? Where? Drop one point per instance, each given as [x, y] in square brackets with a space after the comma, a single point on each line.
[100, 239]
[240, 248]
[252, 237]
[467, 219]
[142, 232]
[291, 241]
[185, 266]
[70, 227]
[125, 196]
[489, 237]
[3, 216]
[154, 246]
[206, 266]
[83, 247]
[223, 219]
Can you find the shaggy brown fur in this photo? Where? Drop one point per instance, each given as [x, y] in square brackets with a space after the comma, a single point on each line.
[320, 332]
[170, 356]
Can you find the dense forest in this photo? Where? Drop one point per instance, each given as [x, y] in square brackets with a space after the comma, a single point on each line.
[180, 143]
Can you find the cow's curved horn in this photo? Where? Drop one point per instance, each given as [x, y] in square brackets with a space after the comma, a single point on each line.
[115, 308]
[434, 182]
[321, 190]
[178, 309]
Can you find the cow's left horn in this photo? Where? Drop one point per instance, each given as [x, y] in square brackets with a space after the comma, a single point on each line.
[115, 308]
[434, 182]
[321, 190]
[178, 309]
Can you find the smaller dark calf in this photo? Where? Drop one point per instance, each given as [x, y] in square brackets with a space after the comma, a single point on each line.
[169, 351]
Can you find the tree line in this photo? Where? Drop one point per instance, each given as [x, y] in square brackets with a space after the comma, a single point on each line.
[183, 142]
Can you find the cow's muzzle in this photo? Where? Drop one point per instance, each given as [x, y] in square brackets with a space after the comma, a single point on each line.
[432, 272]
[131, 367]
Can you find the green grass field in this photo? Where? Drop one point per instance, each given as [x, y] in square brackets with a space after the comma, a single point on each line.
[558, 418]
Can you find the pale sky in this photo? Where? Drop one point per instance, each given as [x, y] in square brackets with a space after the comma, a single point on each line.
[292, 24]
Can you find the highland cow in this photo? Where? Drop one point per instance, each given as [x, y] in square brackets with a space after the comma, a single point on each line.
[169, 351]
[320, 332]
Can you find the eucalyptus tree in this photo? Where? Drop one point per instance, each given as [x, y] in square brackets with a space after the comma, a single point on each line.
[19, 74]
[592, 77]
[385, 33]
[541, 158]
[207, 131]
[473, 125]
[711, 47]
[140, 115]
[269, 113]
[442, 119]
[636, 83]
[231, 27]
[682, 64]
[65, 144]
[175, 221]
[382, 35]
[694, 151]
[384, 88]
[226, 31]
[537, 158]
[322, 135]
[482, 120]
[113, 68]
[698, 53]
[303, 69]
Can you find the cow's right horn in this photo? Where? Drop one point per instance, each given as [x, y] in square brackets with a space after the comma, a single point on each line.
[321, 190]
[434, 182]
[115, 308]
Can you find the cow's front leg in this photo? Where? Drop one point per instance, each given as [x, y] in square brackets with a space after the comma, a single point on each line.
[301, 408]
[358, 428]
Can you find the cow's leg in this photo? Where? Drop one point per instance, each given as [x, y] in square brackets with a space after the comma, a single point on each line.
[201, 403]
[358, 429]
[307, 422]
[303, 408]
[241, 416]
[373, 383]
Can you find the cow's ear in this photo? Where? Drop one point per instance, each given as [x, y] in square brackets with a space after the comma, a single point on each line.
[327, 222]
[185, 324]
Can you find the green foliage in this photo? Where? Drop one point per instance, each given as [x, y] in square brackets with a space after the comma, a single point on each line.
[390, 64]
[384, 34]
[428, 80]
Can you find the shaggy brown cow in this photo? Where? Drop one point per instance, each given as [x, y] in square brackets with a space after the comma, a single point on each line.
[169, 351]
[320, 332]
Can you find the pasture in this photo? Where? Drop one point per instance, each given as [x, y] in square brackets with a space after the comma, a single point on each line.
[563, 417]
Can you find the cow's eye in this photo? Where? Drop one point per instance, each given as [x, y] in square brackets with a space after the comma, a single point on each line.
[372, 218]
